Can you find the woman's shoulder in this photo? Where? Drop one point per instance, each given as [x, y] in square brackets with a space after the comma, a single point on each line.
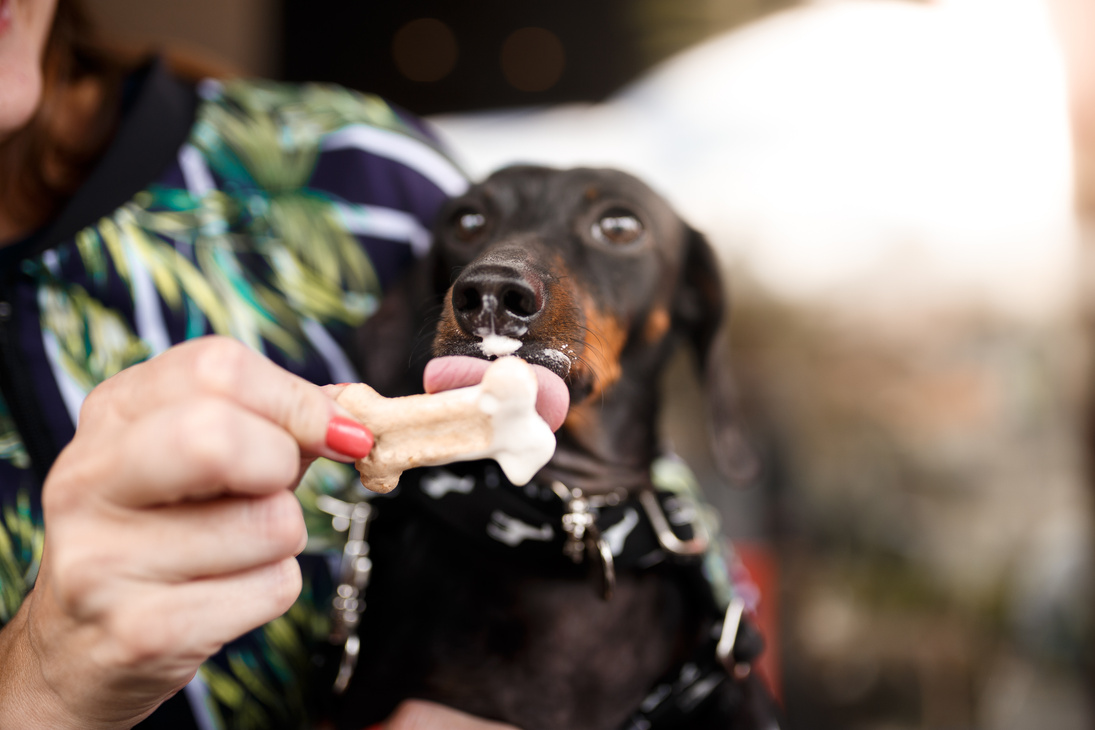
[287, 128]
[304, 111]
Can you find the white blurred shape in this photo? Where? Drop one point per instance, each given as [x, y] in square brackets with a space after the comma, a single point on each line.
[903, 157]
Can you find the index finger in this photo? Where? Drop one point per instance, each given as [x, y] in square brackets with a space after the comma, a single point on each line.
[223, 367]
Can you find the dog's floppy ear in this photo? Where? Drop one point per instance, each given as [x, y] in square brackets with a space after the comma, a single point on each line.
[700, 310]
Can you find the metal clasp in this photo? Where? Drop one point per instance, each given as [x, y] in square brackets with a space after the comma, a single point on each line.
[583, 537]
[669, 541]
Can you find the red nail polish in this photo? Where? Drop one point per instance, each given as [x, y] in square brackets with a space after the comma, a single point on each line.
[349, 437]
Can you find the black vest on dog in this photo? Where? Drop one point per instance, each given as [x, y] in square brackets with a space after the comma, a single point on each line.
[473, 504]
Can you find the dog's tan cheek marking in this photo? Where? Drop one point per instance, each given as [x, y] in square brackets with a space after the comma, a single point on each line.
[604, 341]
[581, 418]
[559, 325]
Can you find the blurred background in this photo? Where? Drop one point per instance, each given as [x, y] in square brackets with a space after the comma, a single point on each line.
[901, 193]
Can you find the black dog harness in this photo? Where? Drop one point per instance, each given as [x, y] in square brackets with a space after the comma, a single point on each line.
[539, 523]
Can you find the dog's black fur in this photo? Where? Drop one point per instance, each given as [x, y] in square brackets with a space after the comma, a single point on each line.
[593, 264]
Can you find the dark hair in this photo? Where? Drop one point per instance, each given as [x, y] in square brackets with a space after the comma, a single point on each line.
[42, 164]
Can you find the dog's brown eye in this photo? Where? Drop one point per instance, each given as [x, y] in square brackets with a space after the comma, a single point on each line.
[618, 226]
[468, 223]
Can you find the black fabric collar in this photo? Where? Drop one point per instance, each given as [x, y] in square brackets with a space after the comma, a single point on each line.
[155, 124]
[477, 501]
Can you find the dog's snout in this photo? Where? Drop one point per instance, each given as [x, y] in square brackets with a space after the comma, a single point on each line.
[495, 300]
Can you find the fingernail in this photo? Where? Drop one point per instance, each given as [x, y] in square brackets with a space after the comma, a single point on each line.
[347, 436]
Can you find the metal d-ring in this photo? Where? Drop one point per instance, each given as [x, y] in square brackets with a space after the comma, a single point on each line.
[669, 541]
[731, 624]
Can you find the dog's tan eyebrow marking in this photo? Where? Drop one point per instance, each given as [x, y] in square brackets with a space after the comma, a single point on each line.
[592, 193]
[657, 324]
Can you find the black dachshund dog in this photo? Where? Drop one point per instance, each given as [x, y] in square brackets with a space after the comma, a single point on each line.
[579, 601]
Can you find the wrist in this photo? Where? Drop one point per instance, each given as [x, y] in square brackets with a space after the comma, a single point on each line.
[26, 699]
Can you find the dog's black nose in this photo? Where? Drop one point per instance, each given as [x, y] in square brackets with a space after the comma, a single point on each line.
[495, 300]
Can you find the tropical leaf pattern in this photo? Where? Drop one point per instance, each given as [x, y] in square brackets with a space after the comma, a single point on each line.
[21, 533]
[11, 446]
[21, 541]
[248, 694]
[94, 341]
[246, 246]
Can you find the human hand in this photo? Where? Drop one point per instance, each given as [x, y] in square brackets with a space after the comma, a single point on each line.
[421, 715]
[172, 503]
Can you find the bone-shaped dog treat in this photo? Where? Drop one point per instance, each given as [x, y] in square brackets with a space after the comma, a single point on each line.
[496, 419]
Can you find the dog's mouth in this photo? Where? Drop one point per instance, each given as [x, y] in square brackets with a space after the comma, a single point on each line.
[559, 358]
[554, 359]
[446, 372]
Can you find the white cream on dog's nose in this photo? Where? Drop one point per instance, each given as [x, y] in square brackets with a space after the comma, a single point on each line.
[496, 419]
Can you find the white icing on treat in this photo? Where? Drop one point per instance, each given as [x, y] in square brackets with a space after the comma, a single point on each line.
[498, 345]
[521, 442]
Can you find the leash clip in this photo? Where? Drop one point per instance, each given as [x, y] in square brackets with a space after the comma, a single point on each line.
[354, 572]
[577, 521]
[583, 537]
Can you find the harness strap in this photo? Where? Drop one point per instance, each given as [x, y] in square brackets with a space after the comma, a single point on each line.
[686, 692]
